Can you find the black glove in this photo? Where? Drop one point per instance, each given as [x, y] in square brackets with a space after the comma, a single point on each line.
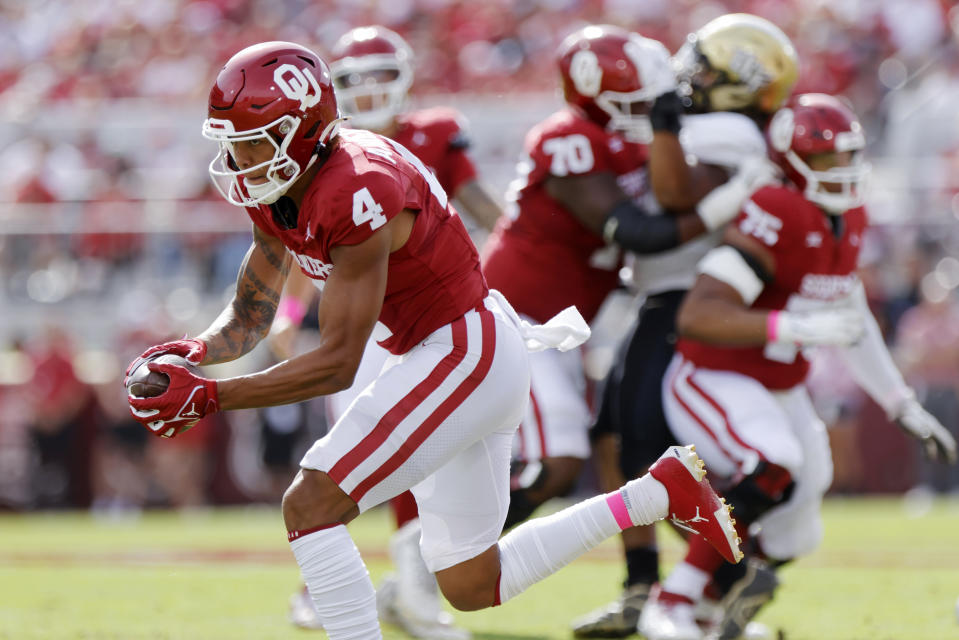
[664, 116]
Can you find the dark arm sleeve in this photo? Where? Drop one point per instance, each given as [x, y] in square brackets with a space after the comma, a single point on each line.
[632, 228]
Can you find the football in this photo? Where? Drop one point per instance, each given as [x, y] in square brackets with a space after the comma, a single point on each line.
[144, 383]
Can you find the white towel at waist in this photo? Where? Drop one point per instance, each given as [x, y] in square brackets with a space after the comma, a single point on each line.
[564, 331]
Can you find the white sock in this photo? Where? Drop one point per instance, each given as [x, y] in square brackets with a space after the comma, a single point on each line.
[646, 500]
[686, 580]
[339, 584]
[539, 547]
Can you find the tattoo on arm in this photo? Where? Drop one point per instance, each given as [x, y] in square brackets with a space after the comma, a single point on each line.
[247, 319]
[280, 262]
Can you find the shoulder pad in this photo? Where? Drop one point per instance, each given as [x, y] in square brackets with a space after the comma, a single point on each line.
[722, 138]
[443, 122]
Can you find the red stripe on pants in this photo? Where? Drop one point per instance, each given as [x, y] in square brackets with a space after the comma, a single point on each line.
[459, 395]
[729, 425]
[404, 407]
[692, 414]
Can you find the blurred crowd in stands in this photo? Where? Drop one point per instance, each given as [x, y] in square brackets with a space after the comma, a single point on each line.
[108, 213]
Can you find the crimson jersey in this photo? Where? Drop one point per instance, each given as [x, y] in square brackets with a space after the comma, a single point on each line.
[540, 256]
[433, 279]
[436, 137]
[814, 265]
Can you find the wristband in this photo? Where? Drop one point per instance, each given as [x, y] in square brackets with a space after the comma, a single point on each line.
[772, 322]
[292, 309]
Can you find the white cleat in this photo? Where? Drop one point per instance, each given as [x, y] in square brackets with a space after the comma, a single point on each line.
[410, 598]
[757, 631]
[427, 622]
[661, 620]
[302, 612]
[708, 613]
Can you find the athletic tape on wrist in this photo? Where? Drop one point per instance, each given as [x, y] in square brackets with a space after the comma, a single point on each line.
[772, 321]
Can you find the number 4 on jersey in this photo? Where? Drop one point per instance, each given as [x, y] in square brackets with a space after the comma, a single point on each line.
[366, 209]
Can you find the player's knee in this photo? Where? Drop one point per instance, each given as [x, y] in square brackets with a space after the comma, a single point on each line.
[755, 494]
[314, 500]
[473, 584]
[466, 598]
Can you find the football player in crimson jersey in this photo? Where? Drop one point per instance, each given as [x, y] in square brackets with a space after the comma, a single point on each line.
[372, 72]
[783, 280]
[363, 217]
[716, 116]
[574, 207]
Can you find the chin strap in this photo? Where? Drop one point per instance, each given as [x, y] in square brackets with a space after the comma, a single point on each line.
[324, 146]
[285, 212]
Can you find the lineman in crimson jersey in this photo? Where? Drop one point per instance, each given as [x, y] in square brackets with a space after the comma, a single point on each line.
[783, 280]
[708, 130]
[372, 72]
[364, 218]
[575, 207]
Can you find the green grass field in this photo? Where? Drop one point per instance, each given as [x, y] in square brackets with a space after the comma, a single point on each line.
[880, 575]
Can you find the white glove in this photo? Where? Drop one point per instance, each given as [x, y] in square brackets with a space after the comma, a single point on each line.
[841, 327]
[723, 203]
[938, 443]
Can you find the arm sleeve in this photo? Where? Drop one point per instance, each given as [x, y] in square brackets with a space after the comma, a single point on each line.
[633, 229]
[871, 364]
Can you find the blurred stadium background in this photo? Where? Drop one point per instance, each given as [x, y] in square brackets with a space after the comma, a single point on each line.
[112, 237]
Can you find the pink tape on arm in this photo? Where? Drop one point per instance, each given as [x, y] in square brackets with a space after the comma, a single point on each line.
[620, 512]
[291, 308]
[771, 321]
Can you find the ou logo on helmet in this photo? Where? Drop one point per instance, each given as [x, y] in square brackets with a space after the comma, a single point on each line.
[296, 84]
[781, 129]
[585, 72]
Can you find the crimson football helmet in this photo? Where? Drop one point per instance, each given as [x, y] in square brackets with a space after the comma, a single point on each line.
[277, 92]
[614, 76]
[819, 144]
[372, 71]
